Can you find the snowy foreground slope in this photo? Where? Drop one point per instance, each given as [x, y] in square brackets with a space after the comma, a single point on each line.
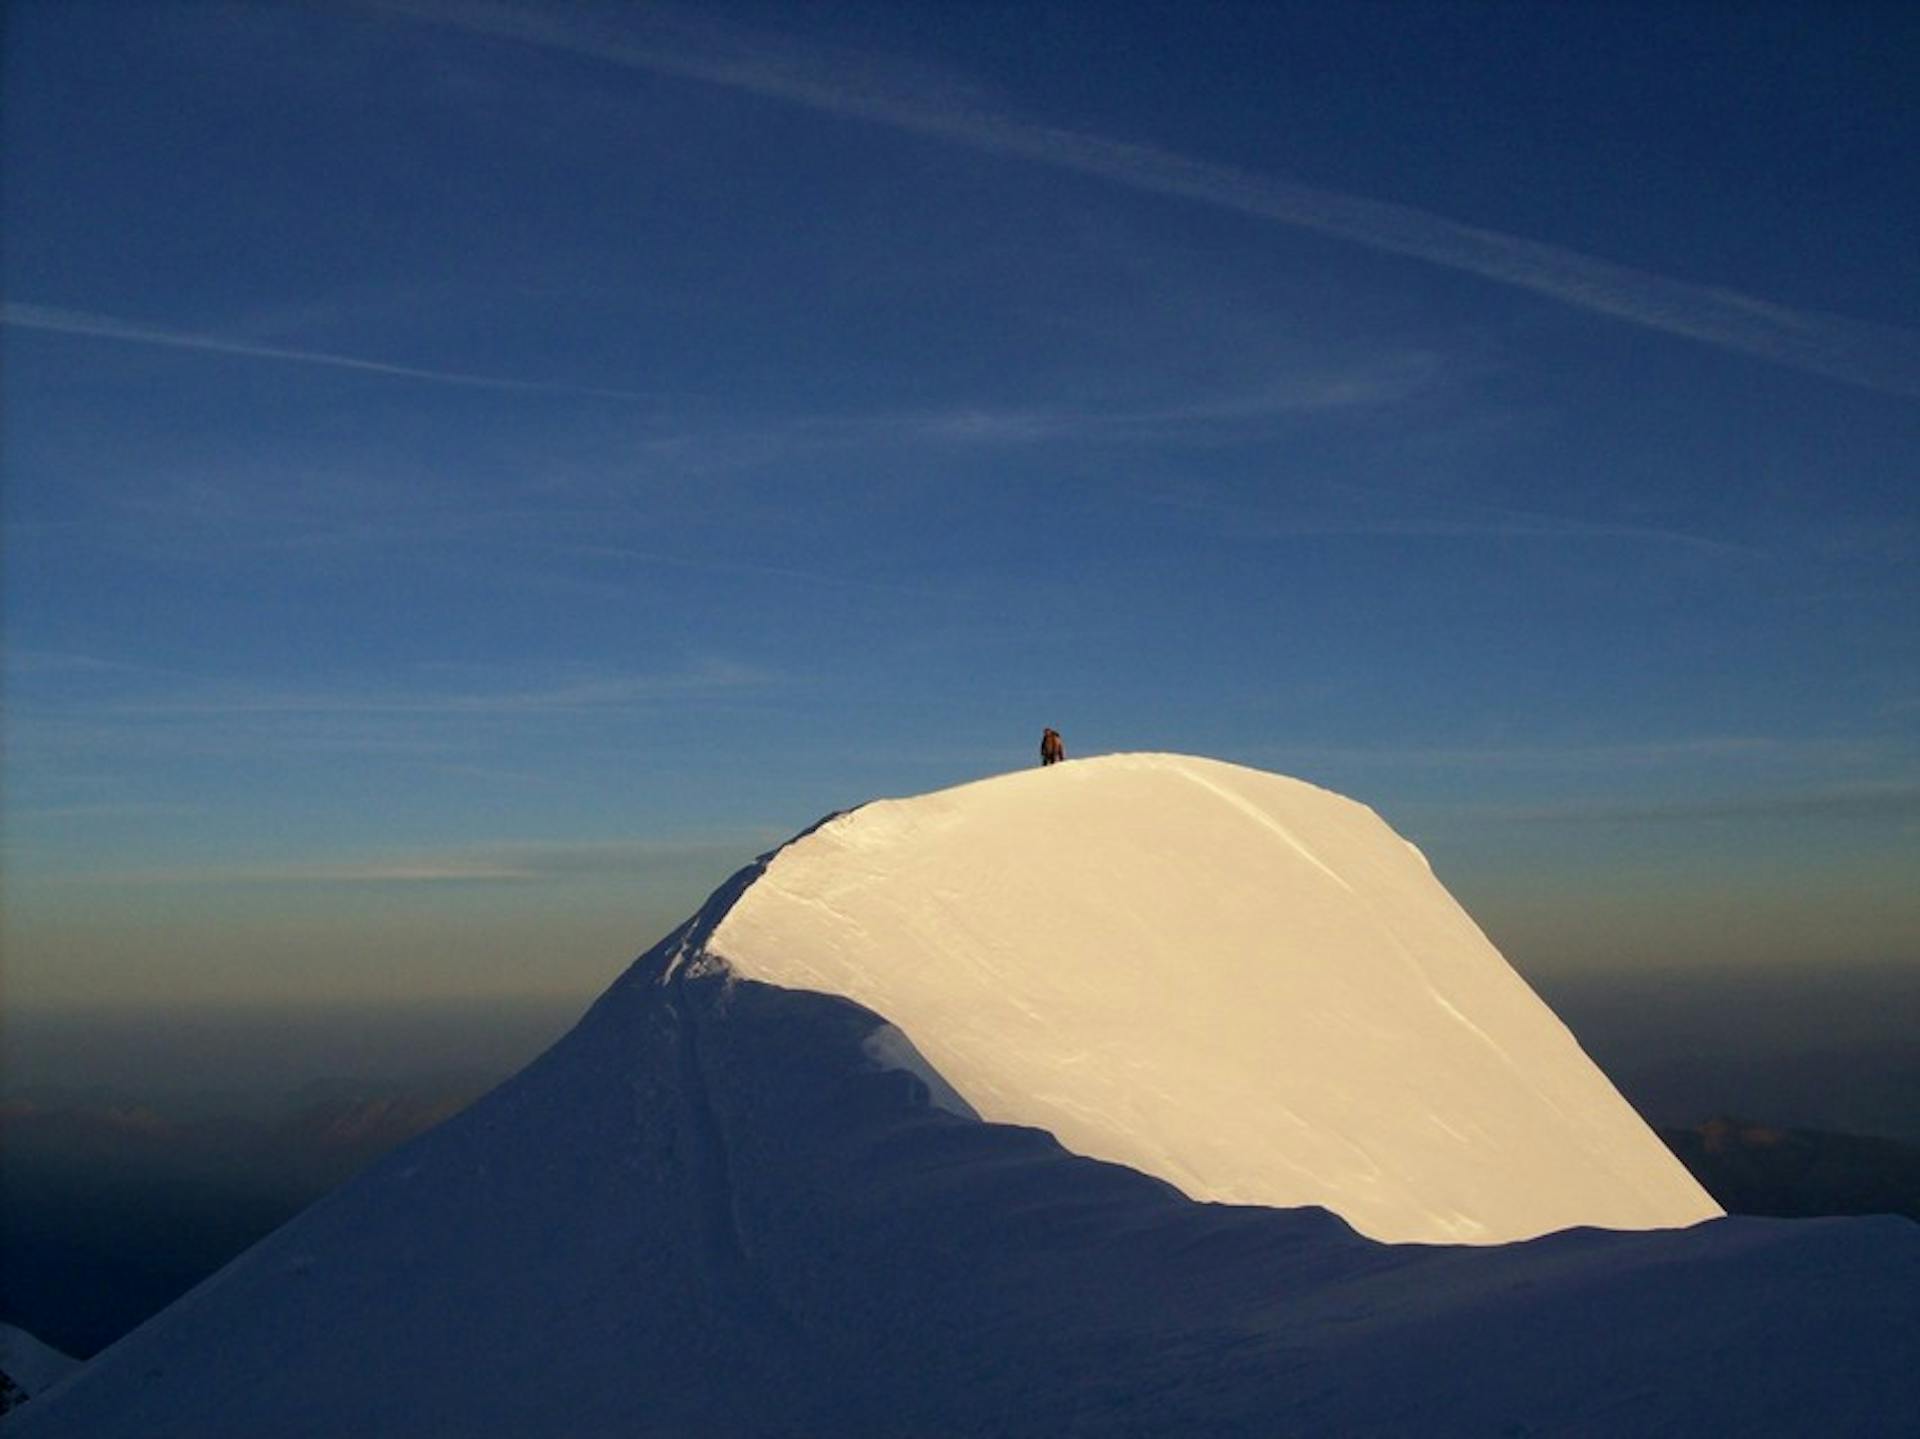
[29, 1365]
[1245, 985]
[710, 1209]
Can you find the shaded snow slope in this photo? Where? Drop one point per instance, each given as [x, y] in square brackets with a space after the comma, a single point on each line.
[33, 1365]
[706, 1211]
[1245, 985]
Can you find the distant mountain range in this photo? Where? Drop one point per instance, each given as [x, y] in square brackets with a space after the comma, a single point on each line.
[109, 1212]
[1798, 1173]
[323, 1135]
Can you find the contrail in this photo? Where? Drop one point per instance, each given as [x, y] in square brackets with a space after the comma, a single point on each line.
[1878, 357]
[105, 327]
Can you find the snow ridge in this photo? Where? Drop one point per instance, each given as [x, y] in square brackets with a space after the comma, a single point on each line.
[726, 1206]
[1243, 984]
[30, 1363]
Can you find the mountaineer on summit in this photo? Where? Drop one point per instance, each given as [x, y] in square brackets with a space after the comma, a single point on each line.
[1051, 750]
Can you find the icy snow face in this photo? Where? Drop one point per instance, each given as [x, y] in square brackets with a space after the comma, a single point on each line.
[1239, 983]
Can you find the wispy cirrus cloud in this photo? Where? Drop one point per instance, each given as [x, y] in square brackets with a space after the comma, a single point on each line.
[588, 692]
[50, 320]
[700, 564]
[1887, 802]
[52, 730]
[1312, 392]
[524, 862]
[1289, 392]
[1286, 391]
[1355, 516]
[1500, 524]
[106, 810]
[36, 662]
[864, 87]
[1575, 756]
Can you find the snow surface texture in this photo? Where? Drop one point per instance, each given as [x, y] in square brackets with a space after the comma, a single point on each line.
[33, 1365]
[723, 1207]
[1245, 985]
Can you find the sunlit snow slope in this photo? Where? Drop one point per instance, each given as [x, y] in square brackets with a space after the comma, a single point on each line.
[1240, 983]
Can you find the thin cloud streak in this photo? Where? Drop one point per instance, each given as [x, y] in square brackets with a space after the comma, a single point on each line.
[1878, 357]
[742, 567]
[1488, 523]
[510, 863]
[431, 723]
[105, 327]
[113, 811]
[1498, 529]
[68, 662]
[987, 426]
[587, 694]
[1892, 802]
[1651, 754]
[1388, 380]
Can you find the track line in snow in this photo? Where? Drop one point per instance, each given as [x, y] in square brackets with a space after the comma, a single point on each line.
[737, 1287]
[1260, 817]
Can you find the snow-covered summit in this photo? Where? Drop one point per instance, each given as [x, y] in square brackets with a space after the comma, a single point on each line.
[1240, 983]
[708, 1210]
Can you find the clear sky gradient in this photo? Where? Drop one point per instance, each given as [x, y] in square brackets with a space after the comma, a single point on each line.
[475, 474]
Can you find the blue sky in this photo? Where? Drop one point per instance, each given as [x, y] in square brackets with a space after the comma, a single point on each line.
[474, 474]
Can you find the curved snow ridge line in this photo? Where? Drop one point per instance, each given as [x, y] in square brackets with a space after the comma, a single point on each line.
[688, 950]
[1260, 817]
[889, 1048]
[737, 1285]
